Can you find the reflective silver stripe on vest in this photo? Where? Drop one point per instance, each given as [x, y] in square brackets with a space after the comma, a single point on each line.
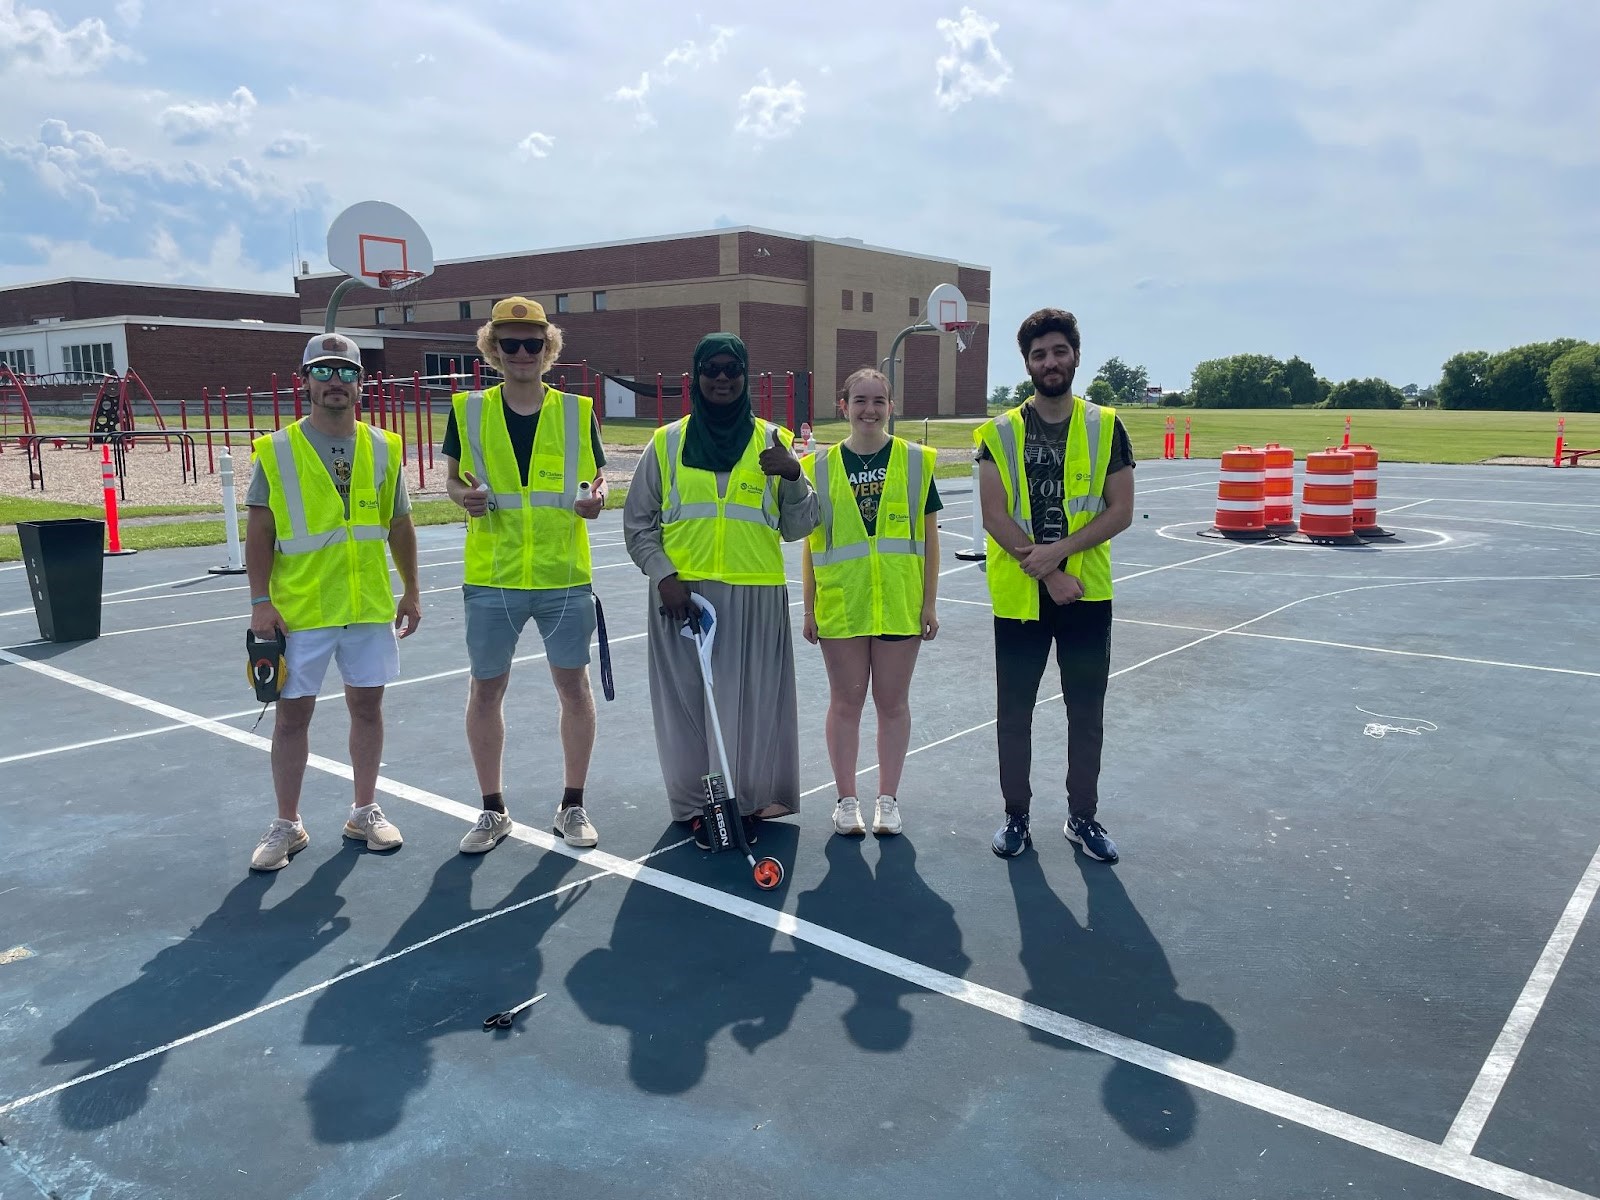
[674, 510]
[825, 507]
[380, 457]
[475, 436]
[1013, 456]
[1092, 413]
[293, 501]
[831, 554]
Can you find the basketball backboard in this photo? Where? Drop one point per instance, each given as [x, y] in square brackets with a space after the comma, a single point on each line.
[947, 307]
[372, 239]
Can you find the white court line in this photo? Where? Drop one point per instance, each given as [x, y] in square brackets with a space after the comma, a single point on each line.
[120, 737]
[1542, 525]
[1300, 641]
[1480, 1102]
[1247, 1092]
[1503, 503]
[1383, 512]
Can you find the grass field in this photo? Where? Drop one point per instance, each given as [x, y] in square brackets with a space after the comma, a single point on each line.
[1404, 436]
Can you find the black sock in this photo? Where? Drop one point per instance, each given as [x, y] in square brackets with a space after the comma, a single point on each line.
[494, 803]
[572, 798]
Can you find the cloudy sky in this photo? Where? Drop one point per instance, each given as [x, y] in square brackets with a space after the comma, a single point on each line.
[1373, 184]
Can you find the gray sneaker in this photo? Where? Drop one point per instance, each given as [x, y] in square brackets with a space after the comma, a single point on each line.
[491, 828]
[369, 825]
[573, 824]
[282, 839]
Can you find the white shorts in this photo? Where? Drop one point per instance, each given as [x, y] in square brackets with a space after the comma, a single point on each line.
[368, 654]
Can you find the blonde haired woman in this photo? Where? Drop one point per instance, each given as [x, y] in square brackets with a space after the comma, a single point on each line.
[870, 575]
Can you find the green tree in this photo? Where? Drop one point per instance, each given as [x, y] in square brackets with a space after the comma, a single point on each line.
[1000, 397]
[1102, 393]
[1241, 381]
[1463, 385]
[1127, 383]
[1575, 380]
[1364, 393]
[1022, 391]
[1305, 389]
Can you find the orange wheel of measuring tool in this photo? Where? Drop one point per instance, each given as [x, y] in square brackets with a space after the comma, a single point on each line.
[768, 874]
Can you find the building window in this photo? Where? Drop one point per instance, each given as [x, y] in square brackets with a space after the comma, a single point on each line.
[377, 317]
[92, 359]
[846, 300]
[563, 303]
[866, 301]
[408, 314]
[915, 306]
[20, 361]
[599, 302]
[464, 310]
[439, 366]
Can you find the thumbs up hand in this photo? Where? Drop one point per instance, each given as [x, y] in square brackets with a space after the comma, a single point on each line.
[476, 499]
[777, 459]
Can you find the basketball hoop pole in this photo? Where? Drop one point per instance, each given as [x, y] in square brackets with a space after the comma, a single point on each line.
[894, 350]
[329, 318]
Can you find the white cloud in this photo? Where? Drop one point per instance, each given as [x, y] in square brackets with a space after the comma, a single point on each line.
[636, 95]
[32, 37]
[288, 146]
[536, 145]
[130, 12]
[971, 66]
[769, 113]
[689, 55]
[188, 124]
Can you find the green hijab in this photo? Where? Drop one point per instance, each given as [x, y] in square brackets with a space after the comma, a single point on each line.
[716, 435]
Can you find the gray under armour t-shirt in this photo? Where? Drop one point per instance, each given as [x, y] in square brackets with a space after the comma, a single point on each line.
[337, 454]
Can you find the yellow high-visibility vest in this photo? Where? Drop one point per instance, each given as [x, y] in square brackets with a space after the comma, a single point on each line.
[870, 584]
[532, 538]
[1012, 591]
[330, 569]
[732, 538]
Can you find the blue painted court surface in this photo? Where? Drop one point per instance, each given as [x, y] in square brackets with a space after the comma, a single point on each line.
[1350, 949]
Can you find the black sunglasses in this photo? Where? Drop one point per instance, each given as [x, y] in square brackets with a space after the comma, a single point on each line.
[531, 345]
[730, 370]
[322, 372]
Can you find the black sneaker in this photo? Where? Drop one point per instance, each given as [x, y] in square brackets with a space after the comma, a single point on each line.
[751, 824]
[702, 836]
[1091, 835]
[1013, 837]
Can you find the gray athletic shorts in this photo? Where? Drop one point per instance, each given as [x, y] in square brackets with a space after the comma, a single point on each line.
[495, 617]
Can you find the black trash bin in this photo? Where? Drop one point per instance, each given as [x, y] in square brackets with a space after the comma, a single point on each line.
[66, 566]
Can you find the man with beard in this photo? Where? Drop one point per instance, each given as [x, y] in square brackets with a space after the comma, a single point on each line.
[326, 497]
[1056, 485]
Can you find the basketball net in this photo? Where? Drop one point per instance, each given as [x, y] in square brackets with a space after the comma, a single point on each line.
[402, 287]
[963, 331]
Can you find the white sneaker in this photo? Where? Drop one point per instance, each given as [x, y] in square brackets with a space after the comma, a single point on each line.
[487, 833]
[847, 818]
[573, 824]
[282, 839]
[886, 816]
[369, 825]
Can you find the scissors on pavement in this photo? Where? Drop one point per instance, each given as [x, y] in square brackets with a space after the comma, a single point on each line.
[502, 1020]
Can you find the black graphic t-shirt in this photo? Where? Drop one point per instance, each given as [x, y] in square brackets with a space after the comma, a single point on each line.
[866, 477]
[1044, 455]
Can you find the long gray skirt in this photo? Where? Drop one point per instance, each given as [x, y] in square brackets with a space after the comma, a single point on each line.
[752, 666]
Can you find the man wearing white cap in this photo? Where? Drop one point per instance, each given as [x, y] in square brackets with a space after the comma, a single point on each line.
[327, 493]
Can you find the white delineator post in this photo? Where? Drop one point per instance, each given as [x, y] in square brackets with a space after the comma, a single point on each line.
[979, 550]
[230, 520]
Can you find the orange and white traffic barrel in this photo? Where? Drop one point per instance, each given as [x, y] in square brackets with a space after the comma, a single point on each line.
[1364, 499]
[1327, 497]
[1241, 496]
[1279, 512]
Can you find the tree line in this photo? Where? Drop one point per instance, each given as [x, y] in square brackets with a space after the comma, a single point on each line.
[1560, 376]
